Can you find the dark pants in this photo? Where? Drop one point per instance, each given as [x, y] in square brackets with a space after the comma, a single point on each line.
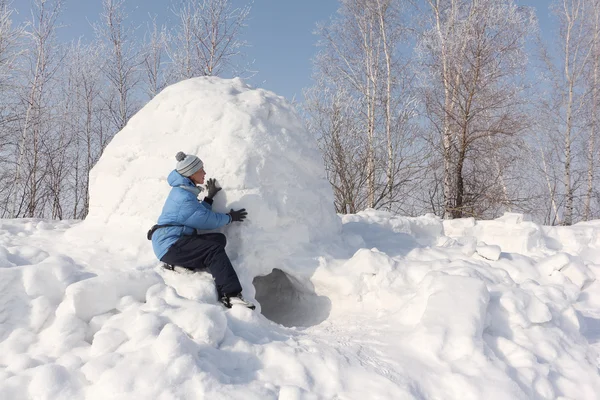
[206, 251]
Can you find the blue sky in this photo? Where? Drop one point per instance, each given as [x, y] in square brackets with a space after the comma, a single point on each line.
[280, 33]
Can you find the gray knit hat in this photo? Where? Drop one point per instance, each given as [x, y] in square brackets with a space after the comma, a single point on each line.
[187, 165]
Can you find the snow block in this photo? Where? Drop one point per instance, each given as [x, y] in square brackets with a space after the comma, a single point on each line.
[426, 229]
[553, 263]
[21, 362]
[468, 244]
[5, 257]
[41, 311]
[391, 233]
[537, 311]
[514, 218]
[51, 277]
[101, 294]
[172, 343]
[458, 227]
[65, 333]
[578, 273]
[454, 315]
[488, 252]
[107, 341]
[512, 233]
[54, 382]
[574, 239]
[568, 266]
[204, 323]
[517, 309]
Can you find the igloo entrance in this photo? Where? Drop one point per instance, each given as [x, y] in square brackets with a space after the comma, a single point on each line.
[288, 302]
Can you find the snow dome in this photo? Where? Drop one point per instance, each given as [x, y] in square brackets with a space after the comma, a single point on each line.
[250, 140]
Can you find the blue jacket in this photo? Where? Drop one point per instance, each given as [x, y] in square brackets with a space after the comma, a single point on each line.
[183, 208]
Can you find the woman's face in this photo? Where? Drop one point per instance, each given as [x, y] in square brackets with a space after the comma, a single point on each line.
[198, 176]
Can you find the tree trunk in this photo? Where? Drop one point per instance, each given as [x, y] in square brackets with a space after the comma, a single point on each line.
[446, 130]
[458, 211]
[381, 10]
[23, 141]
[568, 217]
[594, 123]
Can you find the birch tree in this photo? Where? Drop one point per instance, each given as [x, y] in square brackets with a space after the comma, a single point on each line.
[91, 128]
[361, 59]
[10, 36]
[41, 66]
[121, 66]
[153, 59]
[332, 119]
[472, 66]
[593, 80]
[208, 38]
[576, 52]
[569, 105]
[57, 151]
[9, 39]
[398, 100]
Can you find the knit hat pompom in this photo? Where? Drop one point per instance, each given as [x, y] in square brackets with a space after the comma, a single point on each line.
[188, 164]
[180, 156]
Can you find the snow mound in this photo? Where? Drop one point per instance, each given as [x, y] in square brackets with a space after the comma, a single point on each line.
[431, 317]
[250, 140]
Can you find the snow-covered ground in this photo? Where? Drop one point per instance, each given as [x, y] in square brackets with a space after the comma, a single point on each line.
[416, 309]
[366, 306]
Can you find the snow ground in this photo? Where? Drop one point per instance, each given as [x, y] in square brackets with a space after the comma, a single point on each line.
[436, 317]
[365, 306]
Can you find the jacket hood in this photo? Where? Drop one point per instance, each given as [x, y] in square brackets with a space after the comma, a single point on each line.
[176, 179]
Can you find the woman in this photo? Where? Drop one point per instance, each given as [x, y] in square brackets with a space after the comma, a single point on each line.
[175, 239]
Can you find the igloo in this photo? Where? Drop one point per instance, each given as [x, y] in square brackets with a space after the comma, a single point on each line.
[251, 141]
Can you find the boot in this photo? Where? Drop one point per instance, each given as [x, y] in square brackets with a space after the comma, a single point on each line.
[230, 301]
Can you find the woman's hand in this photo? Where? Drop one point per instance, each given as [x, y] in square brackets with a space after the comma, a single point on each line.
[212, 187]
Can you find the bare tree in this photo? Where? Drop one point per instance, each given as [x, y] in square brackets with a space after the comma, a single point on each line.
[351, 62]
[153, 59]
[10, 37]
[332, 119]
[398, 102]
[577, 52]
[361, 60]
[42, 65]
[89, 124]
[208, 38]
[58, 113]
[568, 108]
[56, 150]
[472, 67]
[593, 79]
[542, 153]
[122, 61]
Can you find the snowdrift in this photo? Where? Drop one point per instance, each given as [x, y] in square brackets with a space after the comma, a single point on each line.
[365, 306]
[439, 314]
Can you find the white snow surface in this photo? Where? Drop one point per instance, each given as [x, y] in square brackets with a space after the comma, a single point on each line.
[364, 306]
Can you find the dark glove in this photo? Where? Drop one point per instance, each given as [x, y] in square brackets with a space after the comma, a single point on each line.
[239, 215]
[212, 187]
